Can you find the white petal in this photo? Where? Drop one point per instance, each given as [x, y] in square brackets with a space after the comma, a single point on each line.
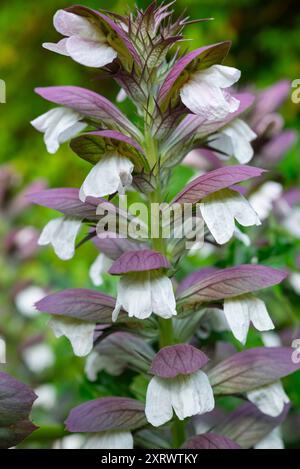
[100, 266]
[270, 399]
[203, 94]
[222, 143]
[134, 294]
[292, 222]
[96, 363]
[259, 315]
[58, 47]
[162, 296]
[121, 96]
[55, 124]
[191, 394]
[107, 177]
[61, 233]
[74, 441]
[272, 441]
[241, 209]
[294, 280]
[114, 439]
[218, 217]
[220, 75]
[207, 101]
[79, 333]
[240, 134]
[262, 200]
[46, 396]
[158, 408]
[70, 24]
[242, 236]
[91, 53]
[237, 315]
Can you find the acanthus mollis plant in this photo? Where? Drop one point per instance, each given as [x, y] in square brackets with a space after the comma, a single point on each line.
[183, 101]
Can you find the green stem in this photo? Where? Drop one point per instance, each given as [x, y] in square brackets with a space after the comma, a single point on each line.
[166, 331]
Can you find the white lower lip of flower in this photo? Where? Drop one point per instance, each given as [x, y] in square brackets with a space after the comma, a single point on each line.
[144, 293]
[262, 200]
[100, 266]
[219, 211]
[203, 94]
[79, 333]
[243, 309]
[59, 125]
[187, 395]
[111, 174]
[61, 233]
[234, 140]
[110, 440]
[270, 400]
[272, 441]
[96, 363]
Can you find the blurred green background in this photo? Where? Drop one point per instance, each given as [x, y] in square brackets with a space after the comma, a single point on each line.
[266, 48]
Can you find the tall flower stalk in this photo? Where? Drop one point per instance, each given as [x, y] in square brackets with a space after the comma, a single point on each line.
[183, 101]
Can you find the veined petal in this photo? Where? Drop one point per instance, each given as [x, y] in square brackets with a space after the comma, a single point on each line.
[259, 315]
[134, 294]
[272, 441]
[191, 394]
[109, 175]
[61, 233]
[113, 439]
[237, 316]
[203, 94]
[242, 309]
[162, 296]
[91, 53]
[207, 101]
[218, 217]
[79, 333]
[220, 75]
[100, 266]
[69, 24]
[270, 399]
[158, 408]
[59, 47]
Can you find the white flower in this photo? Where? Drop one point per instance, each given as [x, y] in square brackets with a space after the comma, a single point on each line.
[112, 439]
[292, 222]
[38, 357]
[219, 210]
[111, 174]
[271, 339]
[26, 299]
[59, 125]
[2, 350]
[234, 140]
[272, 441]
[294, 280]
[85, 42]
[269, 399]
[121, 96]
[61, 233]
[187, 395]
[262, 200]
[79, 333]
[96, 363]
[204, 93]
[144, 293]
[100, 266]
[243, 309]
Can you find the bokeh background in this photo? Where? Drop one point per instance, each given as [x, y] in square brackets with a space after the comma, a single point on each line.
[265, 47]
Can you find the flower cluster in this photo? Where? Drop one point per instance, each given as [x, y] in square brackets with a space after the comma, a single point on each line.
[183, 101]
